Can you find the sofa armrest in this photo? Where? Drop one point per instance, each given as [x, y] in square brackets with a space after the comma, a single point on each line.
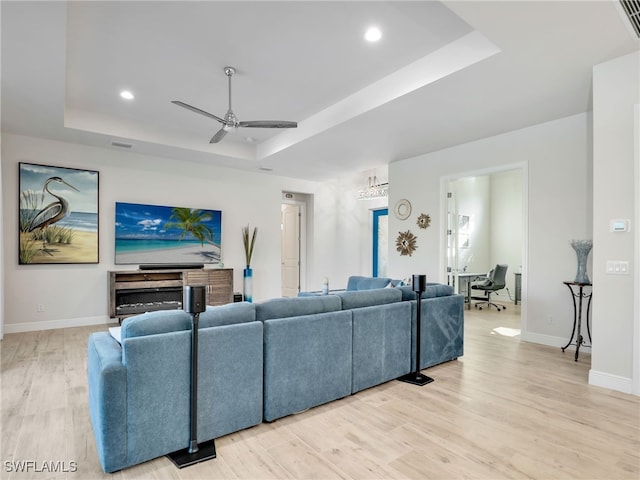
[107, 399]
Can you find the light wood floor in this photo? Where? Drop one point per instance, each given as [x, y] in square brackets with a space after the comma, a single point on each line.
[507, 409]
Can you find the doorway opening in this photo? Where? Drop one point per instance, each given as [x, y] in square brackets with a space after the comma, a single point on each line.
[293, 225]
[380, 233]
[486, 225]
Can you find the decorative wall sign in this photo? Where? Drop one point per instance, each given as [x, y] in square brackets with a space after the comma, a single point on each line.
[58, 215]
[406, 243]
[402, 209]
[424, 220]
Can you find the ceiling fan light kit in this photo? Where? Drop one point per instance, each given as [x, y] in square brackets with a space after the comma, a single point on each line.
[230, 121]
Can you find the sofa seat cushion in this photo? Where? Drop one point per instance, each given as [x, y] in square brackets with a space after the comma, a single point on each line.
[433, 290]
[228, 314]
[367, 298]
[153, 323]
[356, 282]
[296, 306]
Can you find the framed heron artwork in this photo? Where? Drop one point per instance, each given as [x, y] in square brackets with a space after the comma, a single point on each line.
[58, 215]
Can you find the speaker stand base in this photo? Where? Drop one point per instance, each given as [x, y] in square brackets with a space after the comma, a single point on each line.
[182, 458]
[415, 378]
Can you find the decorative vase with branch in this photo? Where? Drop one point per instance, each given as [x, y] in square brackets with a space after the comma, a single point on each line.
[249, 241]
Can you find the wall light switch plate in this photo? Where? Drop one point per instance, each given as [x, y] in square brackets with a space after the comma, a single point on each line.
[619, 225]
[617, 267]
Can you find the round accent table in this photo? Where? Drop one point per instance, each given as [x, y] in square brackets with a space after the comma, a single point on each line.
[579, 293]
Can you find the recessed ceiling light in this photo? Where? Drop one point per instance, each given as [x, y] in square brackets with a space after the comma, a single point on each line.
[127, 95]
[373, 34]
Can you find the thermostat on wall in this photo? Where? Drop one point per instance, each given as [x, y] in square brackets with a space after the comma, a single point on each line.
[619, 225]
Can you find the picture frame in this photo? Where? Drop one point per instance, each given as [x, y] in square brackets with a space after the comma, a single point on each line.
[463, 230]
[58, 213]
[463, 223]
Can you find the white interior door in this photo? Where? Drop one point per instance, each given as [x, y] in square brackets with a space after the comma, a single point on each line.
[290, 250]
[452, 239]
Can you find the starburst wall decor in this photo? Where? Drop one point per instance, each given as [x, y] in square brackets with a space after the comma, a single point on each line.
[424, 220]
[406, 243]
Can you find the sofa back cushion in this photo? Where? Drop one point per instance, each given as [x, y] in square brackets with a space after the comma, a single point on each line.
[227, 314]
[307, 362]
[368, 298]
[153, 323]
[433, 290]
[356, 282]
[296, 306]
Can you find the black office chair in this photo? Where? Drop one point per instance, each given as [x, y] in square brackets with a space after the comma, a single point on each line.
[495, 281]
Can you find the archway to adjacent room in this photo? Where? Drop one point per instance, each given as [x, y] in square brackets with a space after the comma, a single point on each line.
[486, 225]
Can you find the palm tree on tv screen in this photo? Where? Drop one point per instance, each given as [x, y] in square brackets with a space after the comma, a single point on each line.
[191, 221]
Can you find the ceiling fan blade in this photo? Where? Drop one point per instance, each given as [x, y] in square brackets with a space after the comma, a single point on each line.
[268, 124]
[230, 121]
[218, 136]
[197, 110]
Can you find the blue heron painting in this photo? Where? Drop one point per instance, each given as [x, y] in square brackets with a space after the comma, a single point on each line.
[52, 213]
[58, 215]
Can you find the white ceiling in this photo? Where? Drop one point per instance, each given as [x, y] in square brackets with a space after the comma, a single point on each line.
[443, 74]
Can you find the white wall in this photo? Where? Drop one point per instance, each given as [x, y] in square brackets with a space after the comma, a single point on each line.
[342, 240]
[616, 86]
[77, 294]
[557, 164]
[506, 223]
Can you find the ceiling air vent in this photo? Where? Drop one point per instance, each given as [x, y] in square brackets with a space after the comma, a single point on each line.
[121, 144]
[632, 9]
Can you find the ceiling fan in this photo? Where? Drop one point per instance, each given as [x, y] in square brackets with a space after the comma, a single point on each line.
[230, 121]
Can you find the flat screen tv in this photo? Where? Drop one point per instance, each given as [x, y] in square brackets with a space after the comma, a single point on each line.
[165, 235]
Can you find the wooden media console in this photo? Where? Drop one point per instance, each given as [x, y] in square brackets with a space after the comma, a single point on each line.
[133, 292]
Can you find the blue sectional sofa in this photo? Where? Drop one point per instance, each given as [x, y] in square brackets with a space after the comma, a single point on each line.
[139, 389]
[258, 362]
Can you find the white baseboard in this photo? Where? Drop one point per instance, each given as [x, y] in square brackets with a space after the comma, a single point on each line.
[598, 379]
[550, 340]
[54, 324]
[612, 382]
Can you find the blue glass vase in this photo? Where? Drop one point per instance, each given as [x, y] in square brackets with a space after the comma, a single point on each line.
[582, 248]
[247, 284]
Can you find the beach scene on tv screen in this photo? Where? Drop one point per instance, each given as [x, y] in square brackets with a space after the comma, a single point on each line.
[154, 234]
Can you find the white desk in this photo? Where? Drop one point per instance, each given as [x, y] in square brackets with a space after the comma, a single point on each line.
[461, 283]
